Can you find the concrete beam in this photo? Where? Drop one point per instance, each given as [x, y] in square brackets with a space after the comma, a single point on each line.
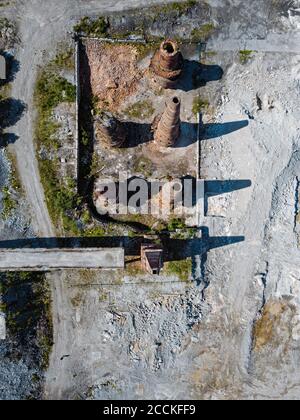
[30, 259]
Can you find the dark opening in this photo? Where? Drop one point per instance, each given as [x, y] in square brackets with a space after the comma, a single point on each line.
[169, 47]
[176, 100]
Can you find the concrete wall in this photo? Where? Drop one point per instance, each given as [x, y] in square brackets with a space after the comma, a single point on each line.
[77, 83]
[54, 259]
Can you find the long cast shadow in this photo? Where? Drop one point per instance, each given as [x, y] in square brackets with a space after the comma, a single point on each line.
[137, 133]
[213, 188]
[189, 136]
[175, 249]
[212, 131]
[217, 187]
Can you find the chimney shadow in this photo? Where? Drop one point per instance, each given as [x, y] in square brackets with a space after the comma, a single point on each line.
[189, 133]
[214, 188]
[196, 75]
[202, 248]
[212, 131]
[175, 249]
[217, 187]
[137, 134]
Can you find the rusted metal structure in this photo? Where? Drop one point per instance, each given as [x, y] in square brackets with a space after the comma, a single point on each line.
[152, 258]
[167, 127]
[167, 64]
[110, 131]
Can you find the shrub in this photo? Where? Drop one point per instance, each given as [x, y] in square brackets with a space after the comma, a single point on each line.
[98, 27]
[182, 269]
[199, 104]
[245, 56]
[175, 224]
[140, 110]
[203, 33]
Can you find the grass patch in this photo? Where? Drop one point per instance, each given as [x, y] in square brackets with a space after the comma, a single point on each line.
[175, 224]
[9, 203]
[199, 105]
[181, 269]
[140, 110]
[51, 90]
[5, 91]
[245, 56]
[14, 176]
[144, 166]
[65, 59]
[95, 232]
[89, 27]
[180, 8]
[142, 49]
[133, 267]
[11, 190]
[27, 305]
[203, 33]
[265, 327]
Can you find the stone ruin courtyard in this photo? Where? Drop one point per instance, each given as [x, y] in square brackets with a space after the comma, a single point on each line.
[120, 82]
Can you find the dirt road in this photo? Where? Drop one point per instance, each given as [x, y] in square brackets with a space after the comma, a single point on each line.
[42, 25]
[241, 277]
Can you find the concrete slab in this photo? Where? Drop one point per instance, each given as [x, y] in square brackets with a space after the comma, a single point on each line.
[54, 259]
[2, 327]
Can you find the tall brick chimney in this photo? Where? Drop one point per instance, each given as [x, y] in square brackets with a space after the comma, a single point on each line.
[167, 64]
[109, 130]
[167, 128]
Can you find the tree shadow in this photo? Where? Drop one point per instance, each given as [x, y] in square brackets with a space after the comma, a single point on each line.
[196, 75]
[7, 138]
[12, 68]
[11, 111]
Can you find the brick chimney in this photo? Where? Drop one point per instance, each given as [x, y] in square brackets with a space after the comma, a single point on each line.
[167, 127]
[109, 130]
[167, 64]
